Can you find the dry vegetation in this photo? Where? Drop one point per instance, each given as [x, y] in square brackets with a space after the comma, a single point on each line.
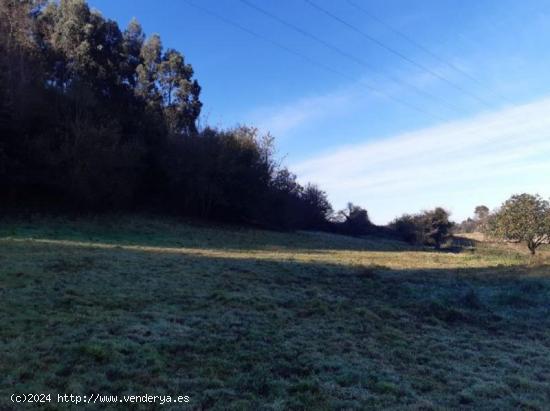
[247, 319]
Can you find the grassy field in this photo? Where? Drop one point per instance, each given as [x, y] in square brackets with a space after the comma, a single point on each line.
[248, 319]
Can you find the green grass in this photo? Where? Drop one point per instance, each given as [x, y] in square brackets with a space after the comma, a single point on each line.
[249, 319]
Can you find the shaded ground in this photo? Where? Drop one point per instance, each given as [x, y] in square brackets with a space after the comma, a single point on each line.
[244, 319]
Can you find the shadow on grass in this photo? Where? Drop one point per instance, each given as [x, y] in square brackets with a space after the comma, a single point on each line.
[249, 333]
[468, 288]
[174, 233]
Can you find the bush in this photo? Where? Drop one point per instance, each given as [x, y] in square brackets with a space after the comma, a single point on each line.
[407, 228]
[429, 227]
[353, 220]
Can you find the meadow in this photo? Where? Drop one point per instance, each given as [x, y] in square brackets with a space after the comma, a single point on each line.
[245, 319]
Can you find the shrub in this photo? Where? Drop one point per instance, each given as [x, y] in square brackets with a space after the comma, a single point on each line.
[353, 220]
[429, 227]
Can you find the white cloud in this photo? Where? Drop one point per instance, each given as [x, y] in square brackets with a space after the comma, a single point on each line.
[281, 119]
[485, 159]
[360, 96]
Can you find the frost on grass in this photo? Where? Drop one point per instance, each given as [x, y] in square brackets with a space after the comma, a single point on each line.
[247, 319]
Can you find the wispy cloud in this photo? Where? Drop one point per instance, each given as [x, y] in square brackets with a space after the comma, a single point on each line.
[411, 86]
[484, 158]
[281, 119]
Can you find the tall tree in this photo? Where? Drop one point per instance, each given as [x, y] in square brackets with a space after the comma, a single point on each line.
[96, 118]
[317, 207]
[133, 39]
[179, 92]
[481, 212]
[148, 71]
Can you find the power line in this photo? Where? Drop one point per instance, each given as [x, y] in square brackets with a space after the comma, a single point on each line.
[398, 53]
[312, 61]
[422, 47]
[352, 57]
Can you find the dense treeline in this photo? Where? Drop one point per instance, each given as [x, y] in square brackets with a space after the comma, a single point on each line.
[98, 118]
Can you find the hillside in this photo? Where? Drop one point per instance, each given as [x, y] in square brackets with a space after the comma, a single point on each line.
[247, 319]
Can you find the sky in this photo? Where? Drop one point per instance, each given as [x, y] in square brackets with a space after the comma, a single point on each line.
[394, 105]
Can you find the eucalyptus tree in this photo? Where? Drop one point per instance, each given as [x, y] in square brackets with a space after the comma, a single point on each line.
[180, 93]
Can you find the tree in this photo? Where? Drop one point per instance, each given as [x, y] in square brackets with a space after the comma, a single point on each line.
[133, 39]
[317, 208]
[481, 218]
[83, 46]
[431, 227]
[407, 227]
[467, 226]
[354, 220]
[148, 71]
[478, 223]
[165, 82]
[99, 119]
[180, 94]
[437, 227]
[481, 212]
[282, 206]
[524, 218]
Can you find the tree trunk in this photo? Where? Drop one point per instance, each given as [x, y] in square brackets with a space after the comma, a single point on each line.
[532, 247]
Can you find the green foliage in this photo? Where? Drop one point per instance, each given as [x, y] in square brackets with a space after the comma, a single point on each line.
[218, 173]
[133, 39]
[481, 212]
[524, 218]
[431, 227]
[148, 71]
[478, 223]
[179, 92]
[437, 227]
[353, 220]
[407, 228]
[95, 118]
[317, 207]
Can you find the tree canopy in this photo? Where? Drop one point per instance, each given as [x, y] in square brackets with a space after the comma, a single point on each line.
[525, 218]
[431, 227]
[93, 117]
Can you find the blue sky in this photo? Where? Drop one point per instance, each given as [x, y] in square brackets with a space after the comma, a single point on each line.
[458, 151]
